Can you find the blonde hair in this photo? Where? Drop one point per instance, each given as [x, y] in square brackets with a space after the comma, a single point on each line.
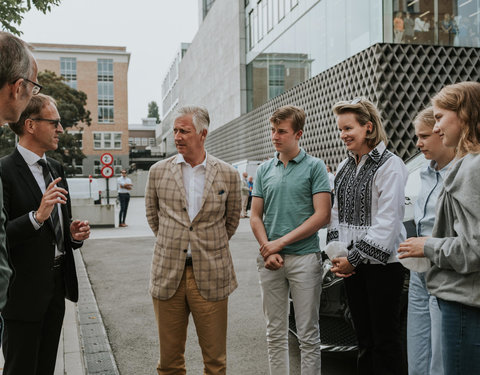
[463, 99]
[364, 111]
[425, 117]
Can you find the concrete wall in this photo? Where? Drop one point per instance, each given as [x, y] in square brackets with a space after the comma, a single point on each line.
[212, 72]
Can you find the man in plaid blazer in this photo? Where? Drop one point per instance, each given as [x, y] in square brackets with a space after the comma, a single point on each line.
[193, 206]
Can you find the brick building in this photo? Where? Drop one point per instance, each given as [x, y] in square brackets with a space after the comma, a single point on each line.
[100, 72]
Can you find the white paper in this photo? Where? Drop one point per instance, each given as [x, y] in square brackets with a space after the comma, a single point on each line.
[336, 249]
[416, 264]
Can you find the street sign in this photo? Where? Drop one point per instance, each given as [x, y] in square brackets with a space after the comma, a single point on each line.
[107, 171]
[106, 158]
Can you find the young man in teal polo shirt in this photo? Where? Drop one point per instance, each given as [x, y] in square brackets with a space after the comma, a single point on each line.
[291, 202]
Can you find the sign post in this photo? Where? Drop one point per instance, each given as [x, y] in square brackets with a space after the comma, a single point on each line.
[107, 171]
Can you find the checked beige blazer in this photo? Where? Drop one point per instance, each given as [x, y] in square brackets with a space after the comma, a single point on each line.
[208, 234]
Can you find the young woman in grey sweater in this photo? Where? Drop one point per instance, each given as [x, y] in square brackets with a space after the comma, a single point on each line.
[454, 248]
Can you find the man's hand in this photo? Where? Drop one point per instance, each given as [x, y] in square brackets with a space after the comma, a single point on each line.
[80, 230]
[270, 248]
[53, 195]
[412, 247]
[274, 262]
[342, 267]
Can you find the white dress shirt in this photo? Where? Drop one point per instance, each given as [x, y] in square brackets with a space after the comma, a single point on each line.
[32, 161]
[194, 184]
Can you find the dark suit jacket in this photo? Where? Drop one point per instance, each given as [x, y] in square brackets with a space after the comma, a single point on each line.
[32, 251]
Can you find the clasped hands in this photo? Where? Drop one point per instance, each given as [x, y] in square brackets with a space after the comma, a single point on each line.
[269, 251]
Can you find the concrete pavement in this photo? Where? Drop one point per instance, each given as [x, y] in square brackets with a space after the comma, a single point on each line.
[118, 264]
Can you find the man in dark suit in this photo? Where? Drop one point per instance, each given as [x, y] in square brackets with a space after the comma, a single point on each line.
[41, 237]
[18, 75]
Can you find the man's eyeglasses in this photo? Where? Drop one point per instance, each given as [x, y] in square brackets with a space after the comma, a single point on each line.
[36, 86]
[55, 123]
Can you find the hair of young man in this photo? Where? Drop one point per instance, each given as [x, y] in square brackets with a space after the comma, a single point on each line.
[364, 111]
[296, 115]
[463, 99]
[425, 117]
[200, 116]
[15, 59]
[34, 107]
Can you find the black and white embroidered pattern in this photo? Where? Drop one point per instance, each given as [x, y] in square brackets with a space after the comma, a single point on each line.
[332, 235]
[354, 191]
[373, 250]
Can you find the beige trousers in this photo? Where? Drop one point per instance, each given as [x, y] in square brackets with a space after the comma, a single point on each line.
[210, 320]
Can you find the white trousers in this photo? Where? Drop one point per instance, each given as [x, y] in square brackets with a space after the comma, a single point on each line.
[301, 275]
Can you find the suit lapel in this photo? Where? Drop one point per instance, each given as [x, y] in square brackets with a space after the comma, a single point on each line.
[26, 174]
[176, 170]
[210, 173]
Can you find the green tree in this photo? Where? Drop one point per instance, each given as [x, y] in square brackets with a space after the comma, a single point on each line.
[71, 107]
[153, 111]
[12, 11]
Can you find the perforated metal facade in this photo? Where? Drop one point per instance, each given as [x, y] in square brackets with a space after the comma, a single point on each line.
[398, 78]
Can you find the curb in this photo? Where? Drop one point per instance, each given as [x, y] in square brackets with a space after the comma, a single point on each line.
[97, 353]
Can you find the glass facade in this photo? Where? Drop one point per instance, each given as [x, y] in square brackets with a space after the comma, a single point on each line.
[313, 39]
[105, 90]
[438, 22]
[290, 41]
[68, 70]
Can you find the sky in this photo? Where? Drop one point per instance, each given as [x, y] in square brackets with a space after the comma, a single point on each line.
[151, 30]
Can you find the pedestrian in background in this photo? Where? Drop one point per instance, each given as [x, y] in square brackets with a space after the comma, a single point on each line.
[291, 202]
[193, 204]
[367, 217]
[454, 248]
[245, 194]
[424, 324]
[250, 191]
[124, 185]
[41, 236]
[18, 77]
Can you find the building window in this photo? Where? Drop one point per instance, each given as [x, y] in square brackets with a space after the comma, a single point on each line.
[68, 70]
[77, 135]
[281, 9]
[151, 141]
[144, 141]
[251, 31]
[107, 140]
[276, 80]
[131, 141]
[260, 10]
[105, 90]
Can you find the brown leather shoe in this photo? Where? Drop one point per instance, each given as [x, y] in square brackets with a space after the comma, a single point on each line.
[122, 225]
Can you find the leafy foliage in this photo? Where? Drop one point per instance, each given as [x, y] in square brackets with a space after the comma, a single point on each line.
[153, 111]
[71, 107]
[70, 102]
[12, 11]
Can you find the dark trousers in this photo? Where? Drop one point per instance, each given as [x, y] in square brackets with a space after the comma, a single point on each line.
[30, 348]
[249, 203]
[124, 199]
[373, 294]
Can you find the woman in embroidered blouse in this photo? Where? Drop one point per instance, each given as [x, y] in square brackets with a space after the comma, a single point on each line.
[367, 217]
[454, 248]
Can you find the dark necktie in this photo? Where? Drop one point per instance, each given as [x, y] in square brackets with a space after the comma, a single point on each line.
[54, 215]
